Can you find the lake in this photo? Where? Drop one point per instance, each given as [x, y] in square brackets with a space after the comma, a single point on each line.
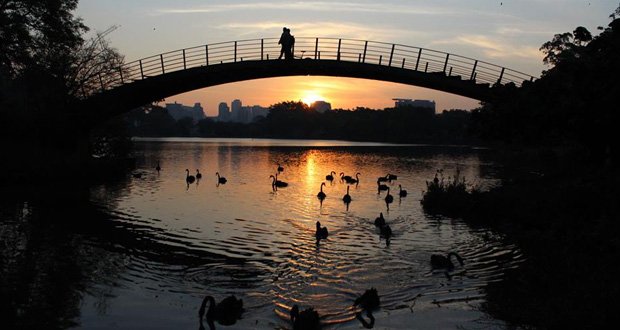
[144, 251]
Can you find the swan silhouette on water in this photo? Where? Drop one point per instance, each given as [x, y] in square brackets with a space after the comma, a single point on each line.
[383, 178]
[380, 220]
[280, 168]
[391, 177]
[308, 319]
[321, 194]
[386, 231]
[321, 232]
[345, 177]
[347, 197]
[198, 175]
[381, 187]
[278, 183]
[351, 180]
[369, 300]
[388, 198]
[220, 179]
[158, 168]
[439, 261]
[227, 312]
[189, 178]
[401, 192]
[330, 177]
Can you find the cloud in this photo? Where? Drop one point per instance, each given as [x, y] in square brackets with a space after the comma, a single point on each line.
[493, 48]
[323, 29]
[382, 8]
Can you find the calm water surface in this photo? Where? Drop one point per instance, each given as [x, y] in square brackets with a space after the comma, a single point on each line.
[156, 245]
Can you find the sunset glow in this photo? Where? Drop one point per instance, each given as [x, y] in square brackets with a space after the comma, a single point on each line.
[312, 97]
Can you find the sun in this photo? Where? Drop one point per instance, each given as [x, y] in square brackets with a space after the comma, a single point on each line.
[311, 97]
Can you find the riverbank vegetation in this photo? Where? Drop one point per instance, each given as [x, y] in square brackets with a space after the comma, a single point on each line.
[558, 201]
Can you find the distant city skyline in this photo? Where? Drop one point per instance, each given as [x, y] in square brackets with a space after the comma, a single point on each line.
[506, 33]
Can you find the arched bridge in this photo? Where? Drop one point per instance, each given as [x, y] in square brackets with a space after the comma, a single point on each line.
[160, 76]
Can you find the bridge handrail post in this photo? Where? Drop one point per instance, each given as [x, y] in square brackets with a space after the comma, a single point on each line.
[338, 55]
[499, 80]
[445, 65]
[316, 48]
[418, 61]
[403, 63]
[391, 55]
[161, 57]
[473, 71]
[426, 67]
[207, 54]
[141, 70]
[365, 47]
[450, 73]
[261, 48]
[235, 51]
[380, 58]
[184, 63]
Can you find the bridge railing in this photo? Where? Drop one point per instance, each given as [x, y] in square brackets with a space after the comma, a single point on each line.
[333, 49]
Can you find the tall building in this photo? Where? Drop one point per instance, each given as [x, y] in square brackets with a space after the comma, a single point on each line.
[178, 111]
[321, 106]
[414, 103]
[235, 110]
[223, 113]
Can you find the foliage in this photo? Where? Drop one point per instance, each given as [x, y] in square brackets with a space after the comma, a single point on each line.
[572, 106]
[449, 196]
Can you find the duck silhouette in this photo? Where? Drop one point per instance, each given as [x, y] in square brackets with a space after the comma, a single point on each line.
[227, 312]
[439, 261]
[308, 319]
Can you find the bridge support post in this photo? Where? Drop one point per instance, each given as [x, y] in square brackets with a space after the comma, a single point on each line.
[501, 75]
[418, 61]
[391, 55]
[365, 47]
[339, 42]
[161, 57]
[141, 70]
[261, 49]
[403, 66]
[207, 54]
[316, 48]
[445, 65]
[473, 71]
[184, 63]
[235, 51]
[380, 58]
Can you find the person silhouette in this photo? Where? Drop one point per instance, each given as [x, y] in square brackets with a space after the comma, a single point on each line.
[291, 45]
[285, 41]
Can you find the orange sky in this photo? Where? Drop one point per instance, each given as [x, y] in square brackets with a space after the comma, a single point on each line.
[346, 93]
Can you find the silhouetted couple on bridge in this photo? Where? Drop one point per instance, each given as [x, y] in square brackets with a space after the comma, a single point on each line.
[287, 41]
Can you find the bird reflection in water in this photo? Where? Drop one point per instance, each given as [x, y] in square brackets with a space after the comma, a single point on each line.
[227, 312]
[368, 302]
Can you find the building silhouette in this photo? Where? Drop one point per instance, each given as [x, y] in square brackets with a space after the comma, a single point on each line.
[223, 113]
[178, 111]
[414, 103]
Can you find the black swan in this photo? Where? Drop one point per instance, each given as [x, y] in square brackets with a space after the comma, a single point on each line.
[402, 193]
[381, 186]
[388, 198]
[369, 300]
[347, 197]
[227, 312]
[277, 182]
[330, 177]
[383, 178]
[344, 177]
[321, 194]
[386, 231]
[189, 178]
[220, 179]
[158, 168]
[391, 177]
[280, 168]
[356, 180]
[198, 174]
[308, 319]
[380, 220]
[439, 261]
[321, 232]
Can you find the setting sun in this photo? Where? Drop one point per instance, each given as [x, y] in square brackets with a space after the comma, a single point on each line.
[312, 97]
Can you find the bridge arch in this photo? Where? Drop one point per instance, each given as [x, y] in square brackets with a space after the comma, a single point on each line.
[167, 74]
